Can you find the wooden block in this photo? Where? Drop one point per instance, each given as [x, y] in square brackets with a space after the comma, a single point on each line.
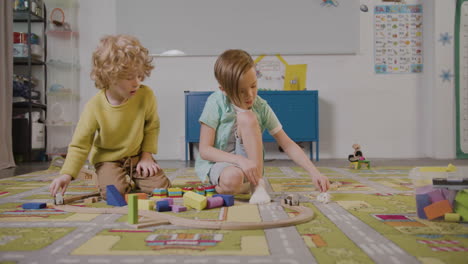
[438, 209]
[178, 208]
[114, 197]
[228, 199]
[147, 205]
[34, 205]
[163, 206]
[195, 200]
[91, 200]
[132, 209]
[142, 196]
[214, 202]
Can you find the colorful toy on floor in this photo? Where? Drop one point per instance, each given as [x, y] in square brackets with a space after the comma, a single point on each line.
[357, 159]
[324, 197]
[228, 199]
[174, 192]
[195, 200]
[34, 205]
[114, 197]
[159, 193]
[132, 209]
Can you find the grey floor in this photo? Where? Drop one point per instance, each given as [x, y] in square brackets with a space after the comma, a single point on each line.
[26, 167]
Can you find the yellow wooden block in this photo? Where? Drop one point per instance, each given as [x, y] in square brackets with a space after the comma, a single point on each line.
[145, 205]
[194, 200]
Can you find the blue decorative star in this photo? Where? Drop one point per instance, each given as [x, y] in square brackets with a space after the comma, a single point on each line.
[446, 76]
[445, 38]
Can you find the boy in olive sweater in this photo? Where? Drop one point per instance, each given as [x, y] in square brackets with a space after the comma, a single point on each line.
[119, 126]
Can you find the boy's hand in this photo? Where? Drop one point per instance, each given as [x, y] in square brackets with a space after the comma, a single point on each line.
[250, 170]
[321, 182]
[61, 182]
[147, 167]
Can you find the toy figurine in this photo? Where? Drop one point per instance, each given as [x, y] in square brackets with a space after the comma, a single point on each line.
[357, 154]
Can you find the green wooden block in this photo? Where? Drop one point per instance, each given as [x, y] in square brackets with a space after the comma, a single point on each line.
[132, 209]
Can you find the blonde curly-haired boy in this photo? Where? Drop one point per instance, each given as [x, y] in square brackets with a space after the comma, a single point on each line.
[119, 126]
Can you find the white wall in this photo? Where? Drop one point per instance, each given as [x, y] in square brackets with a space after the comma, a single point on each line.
[391, 116]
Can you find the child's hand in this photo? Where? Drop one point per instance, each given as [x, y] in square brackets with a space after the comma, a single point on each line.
[60, 183]
[321, 182]
[250, 170]
[147, 167]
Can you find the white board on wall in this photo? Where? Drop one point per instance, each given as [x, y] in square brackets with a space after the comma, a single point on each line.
[208, 27]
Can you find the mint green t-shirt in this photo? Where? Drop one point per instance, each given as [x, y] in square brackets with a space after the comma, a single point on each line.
[219, 113]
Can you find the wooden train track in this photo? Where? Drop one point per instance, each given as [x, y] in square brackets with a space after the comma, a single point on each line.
[305, 215]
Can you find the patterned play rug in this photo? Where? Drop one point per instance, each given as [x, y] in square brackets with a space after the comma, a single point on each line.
[371, 219]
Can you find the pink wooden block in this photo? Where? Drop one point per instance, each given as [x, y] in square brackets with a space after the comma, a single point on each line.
[178, 208]
[213, 202]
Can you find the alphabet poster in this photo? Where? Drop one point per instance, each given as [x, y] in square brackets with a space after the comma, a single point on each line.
[398, 39]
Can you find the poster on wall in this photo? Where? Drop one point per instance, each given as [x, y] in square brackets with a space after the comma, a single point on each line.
[398, 39]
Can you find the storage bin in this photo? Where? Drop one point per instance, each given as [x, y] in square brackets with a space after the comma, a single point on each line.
[441, 193]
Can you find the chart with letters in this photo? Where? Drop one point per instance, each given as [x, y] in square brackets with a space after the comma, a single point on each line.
[398, 39]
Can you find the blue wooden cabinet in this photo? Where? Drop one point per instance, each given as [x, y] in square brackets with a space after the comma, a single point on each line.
[296, 110]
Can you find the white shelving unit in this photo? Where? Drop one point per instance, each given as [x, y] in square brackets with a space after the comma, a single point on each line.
[63, 92]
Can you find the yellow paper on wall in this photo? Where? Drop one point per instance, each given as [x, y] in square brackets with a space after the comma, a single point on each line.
[295, 77]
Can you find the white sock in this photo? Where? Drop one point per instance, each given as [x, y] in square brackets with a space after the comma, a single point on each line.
[260, 195]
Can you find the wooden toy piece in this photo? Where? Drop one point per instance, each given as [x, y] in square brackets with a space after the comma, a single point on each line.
[195, 200]
[324, 197]
[363, 162]
[114, 197]
[132, 209]
[94, 199]
[305, 214]
[228, 199]
[143, 223]
[210, 188]
[145, 204]
[451, 217]
[160, 193]
[438, 209]
[178, 208]
[34, 205]
[142, 196]
[170, 200]
[186, 189]
[214, 202]
[163, 206]
[58, 199]
[200, 190]
[174, 192]
[292, 199]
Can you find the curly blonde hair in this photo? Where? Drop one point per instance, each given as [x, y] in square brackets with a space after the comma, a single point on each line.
[229, 68]
[119, 57]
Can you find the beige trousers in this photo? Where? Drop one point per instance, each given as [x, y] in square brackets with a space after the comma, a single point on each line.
[123, 175]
